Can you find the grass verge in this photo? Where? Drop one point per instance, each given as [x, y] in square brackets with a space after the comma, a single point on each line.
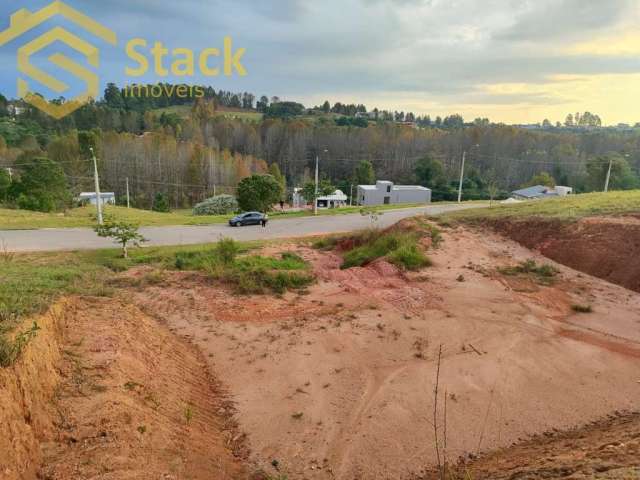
[85, 217]
[570, 208]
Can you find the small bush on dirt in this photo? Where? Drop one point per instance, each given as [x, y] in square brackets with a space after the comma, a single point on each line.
[544, 273]
[10, 350]
[218, 205]
[409, 257]
[401, 248]
[226, 250]
[582, 308]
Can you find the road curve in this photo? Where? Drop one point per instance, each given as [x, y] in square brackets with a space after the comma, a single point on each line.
[62, 239]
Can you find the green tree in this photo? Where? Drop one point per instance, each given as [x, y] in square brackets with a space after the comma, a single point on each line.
[259, 193]
[42, 186]
[543, 178]
[274, 170]
[5, 183]
[325, 187]
[364, 174]
[161, 203]
[429, 173]
[622, 177]
[124, 233]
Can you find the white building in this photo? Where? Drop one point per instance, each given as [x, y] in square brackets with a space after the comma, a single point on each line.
[107, 198]
[336, 200]
[386, 193]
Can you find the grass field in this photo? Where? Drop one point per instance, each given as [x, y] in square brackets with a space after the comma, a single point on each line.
[568, 208]
[183, 111]
[85, 217]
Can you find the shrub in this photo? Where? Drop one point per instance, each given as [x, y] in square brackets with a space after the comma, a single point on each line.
[226, 250]
[218, 205]
[161, 203]
[582, 308]
[409, 257]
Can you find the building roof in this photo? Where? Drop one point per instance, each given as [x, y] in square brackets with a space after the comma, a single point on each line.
[410, 187]
[93, 194]
[368, 187]
[338, 196]
[535, 192]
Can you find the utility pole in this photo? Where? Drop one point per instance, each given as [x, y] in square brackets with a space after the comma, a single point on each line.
[315, 196]
[128, 202]
[606, 182]
[464, 157]
[97, 181]
[351, 196]
[10, 174]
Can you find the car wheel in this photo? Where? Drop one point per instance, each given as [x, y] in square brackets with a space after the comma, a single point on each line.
[238, 224]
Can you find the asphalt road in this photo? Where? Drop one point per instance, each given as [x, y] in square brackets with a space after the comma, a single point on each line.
[60, 239]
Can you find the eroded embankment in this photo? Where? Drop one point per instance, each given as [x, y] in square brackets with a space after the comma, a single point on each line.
[26, 390]
[607, 248]
[105, 391]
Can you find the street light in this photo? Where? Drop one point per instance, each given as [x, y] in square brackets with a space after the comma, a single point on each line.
[97, 182]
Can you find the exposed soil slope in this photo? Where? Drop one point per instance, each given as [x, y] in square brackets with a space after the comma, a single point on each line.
[338, 383]
[116, 397]
[605, 247]
[606, 449]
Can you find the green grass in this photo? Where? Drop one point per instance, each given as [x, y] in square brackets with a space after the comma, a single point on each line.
[544, 273]
[85, 217]
[400, 246]
[568, 208]
[30, 283]
[184, 111]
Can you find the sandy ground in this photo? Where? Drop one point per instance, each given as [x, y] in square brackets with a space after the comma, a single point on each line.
[339, 383]
[135, 402]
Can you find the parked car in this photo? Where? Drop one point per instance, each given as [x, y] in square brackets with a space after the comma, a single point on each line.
[248, 218]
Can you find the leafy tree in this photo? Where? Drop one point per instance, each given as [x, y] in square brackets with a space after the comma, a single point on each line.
[113, 96]
[429, 173]
[5, 183]
[122, 232]
[42, 186]
[284, 109]
[542, 178]
[364, 174]
[325, 187]
[622, 177]
[326, 106]
[262, 104]
[259, 193]
[161, 203]
[274, 170]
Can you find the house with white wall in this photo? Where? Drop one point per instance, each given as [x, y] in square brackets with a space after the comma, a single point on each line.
[386, 193]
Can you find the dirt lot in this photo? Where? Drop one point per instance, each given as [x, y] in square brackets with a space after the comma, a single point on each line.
[339, 382]
[605, 247]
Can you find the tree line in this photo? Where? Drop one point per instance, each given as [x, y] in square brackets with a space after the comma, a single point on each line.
[187, 157]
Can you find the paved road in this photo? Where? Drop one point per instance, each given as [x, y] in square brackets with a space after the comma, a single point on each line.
[60, 239]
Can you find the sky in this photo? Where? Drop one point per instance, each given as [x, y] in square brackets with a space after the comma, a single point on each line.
[513, 61]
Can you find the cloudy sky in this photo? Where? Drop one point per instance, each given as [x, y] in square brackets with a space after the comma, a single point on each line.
[516, 61]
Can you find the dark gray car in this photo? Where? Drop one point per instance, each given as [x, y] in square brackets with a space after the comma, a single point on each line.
[248, 218]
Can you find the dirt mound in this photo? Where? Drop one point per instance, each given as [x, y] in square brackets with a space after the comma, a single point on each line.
[607, 248]
[605, 449]
[136, 402]
[103, 391]
[26, 390]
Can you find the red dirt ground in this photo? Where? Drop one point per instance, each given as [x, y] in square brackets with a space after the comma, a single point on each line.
[338, 383]
[605, 247]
